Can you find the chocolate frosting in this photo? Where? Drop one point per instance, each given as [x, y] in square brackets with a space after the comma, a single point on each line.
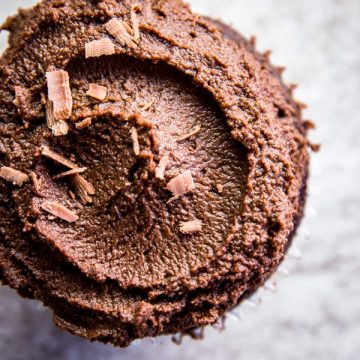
[125, 270]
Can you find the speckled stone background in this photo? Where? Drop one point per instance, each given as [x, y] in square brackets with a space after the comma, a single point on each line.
[315, 313]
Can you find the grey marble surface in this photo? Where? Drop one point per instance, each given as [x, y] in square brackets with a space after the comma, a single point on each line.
[316, 312]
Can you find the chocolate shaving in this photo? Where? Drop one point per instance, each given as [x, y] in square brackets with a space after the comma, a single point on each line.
[135, 24]
[181, 185]
[191, 227]
[45, 151]
[118, 30]
[83, 188]
[69, 173]
[98, 48]
[2, 148]
[50, 114]
[133, 30]
[147, 106]
[160, 170]
[60, 128]
[59, 94]
[13, 176]
[128, 28]
[195, 131]
[59, 211]
[135, 139]
[84, 123]
[35, 180]
[97, 91]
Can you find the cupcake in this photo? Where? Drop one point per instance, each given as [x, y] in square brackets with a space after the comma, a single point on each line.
[153, 166]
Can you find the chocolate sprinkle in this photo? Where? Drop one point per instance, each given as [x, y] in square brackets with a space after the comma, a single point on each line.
[191, 227]
[181, 184]
[13, 176]
[50, 154]
[99, 47]
[59, 211]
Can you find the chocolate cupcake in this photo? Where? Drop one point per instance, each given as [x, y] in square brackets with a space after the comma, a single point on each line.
[153, 166]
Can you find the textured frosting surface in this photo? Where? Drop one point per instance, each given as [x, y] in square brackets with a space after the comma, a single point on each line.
[194, 92]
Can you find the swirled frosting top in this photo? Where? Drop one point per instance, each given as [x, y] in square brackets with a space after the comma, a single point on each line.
[152, 166]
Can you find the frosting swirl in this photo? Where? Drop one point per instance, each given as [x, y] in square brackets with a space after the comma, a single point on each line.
[186, 96]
